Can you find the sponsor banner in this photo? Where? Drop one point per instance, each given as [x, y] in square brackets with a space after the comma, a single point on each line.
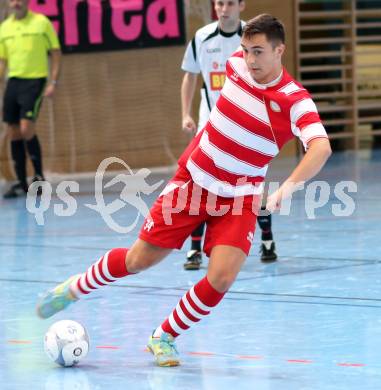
[103, 25]
[217, 80]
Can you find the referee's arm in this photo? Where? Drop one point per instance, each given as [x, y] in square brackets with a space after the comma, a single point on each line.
[3, 65]
[55, 65]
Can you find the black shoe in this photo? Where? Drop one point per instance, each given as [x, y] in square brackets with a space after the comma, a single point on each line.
[194, 260]
[15, 191]
[38, 178]
[267, 251]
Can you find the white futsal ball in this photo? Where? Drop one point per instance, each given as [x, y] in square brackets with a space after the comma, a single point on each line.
[66, 343]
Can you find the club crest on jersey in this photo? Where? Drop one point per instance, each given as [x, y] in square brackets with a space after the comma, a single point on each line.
[148, 225]
[275, 106]
[234, 76]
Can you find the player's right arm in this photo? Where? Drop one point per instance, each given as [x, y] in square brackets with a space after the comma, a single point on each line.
[188, 88]
[191, 67]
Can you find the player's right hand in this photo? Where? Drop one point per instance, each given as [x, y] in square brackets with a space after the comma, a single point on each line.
[189, 125]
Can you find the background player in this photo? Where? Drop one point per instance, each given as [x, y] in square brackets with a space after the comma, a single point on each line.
[207, 54]
[26, 39]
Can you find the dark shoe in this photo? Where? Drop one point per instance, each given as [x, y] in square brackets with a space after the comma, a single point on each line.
[194, 260]
[38, 178]
[267, 250]
[15, 191]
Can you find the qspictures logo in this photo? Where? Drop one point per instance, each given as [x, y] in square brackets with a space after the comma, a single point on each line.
[133, 185]
[178, 197]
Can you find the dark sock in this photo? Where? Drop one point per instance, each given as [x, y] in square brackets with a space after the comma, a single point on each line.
[19, 160]
[34, 151]
[264, 222]
[197, 237]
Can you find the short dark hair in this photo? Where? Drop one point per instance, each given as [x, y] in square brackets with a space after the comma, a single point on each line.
[268, 25]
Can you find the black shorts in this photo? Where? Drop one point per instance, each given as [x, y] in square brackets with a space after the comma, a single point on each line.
[22, 99]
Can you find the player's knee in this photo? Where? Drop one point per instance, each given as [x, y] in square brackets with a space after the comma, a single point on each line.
[136, 261]
[26, 132]
[142, 256]
[222, 280]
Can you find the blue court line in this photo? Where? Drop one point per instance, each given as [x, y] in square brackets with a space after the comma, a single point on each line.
[22, 245]
[326, 231]
[231, 292]
[330, 259]
[307, 271]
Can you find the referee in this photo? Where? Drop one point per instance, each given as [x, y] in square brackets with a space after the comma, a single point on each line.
[26, 39]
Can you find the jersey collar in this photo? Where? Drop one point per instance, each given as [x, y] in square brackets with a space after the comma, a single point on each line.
[271, 83]
[230, 34]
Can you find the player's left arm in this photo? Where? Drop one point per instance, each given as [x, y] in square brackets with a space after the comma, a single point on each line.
[3, 66]
[318, 152]
[3, 59]
[55, 66]
[54, 48]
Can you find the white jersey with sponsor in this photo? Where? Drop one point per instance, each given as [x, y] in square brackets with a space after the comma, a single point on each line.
[247, 127]
[207, 54]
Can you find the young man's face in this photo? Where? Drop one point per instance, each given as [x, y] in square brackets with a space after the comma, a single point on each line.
[228, 13]
[263, 60]
[18, 7]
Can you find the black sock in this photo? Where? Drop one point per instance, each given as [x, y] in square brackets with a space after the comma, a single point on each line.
[197, 237]
[34, 151]
[264, 222]
[19, 160]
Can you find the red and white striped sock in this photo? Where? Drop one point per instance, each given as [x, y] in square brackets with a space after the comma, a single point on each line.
[106, 270]
[193, 306]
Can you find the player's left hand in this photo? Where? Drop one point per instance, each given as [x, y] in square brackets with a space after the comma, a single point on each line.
[284, 192]
[274, 201]
[49, 90]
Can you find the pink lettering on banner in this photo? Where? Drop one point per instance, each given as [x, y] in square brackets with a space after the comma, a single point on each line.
[70, 21]
[95, 21]
[169, 27]
[128, 21]
[94, 25]
[123, 31]
[47, 7]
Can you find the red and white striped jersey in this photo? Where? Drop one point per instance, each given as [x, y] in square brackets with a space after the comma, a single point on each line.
[248, 126]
